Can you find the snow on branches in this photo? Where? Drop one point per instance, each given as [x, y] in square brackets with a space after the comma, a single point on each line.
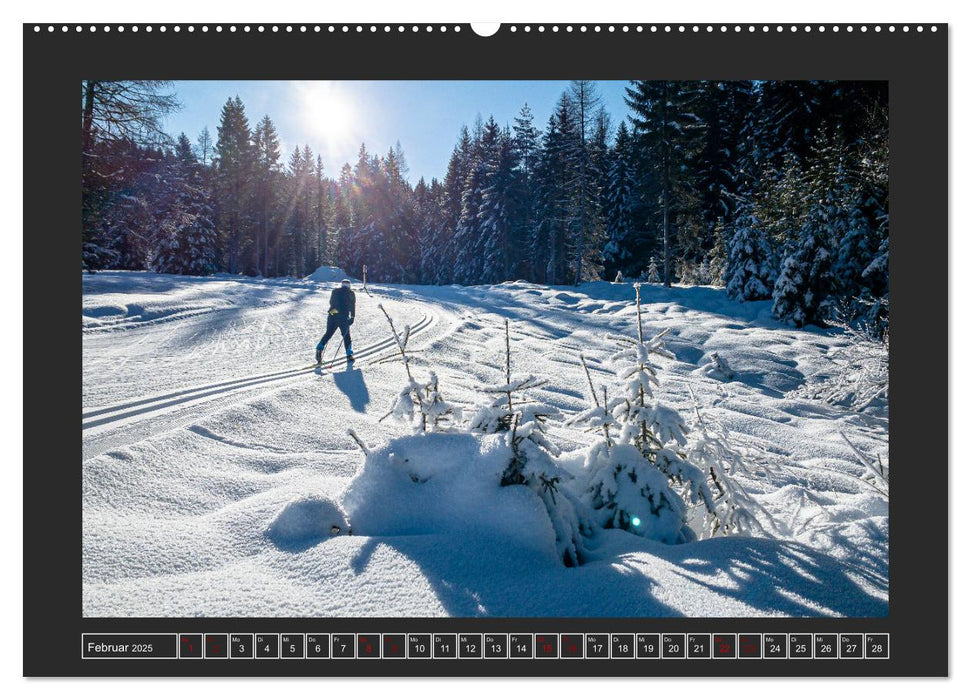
[861, 376]
[734, 511]
[641, 480]
[419, 403]
[646, 472]
[718, 368]
[531, 462]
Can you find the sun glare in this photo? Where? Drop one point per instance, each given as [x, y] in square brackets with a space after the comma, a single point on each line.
[326, 112]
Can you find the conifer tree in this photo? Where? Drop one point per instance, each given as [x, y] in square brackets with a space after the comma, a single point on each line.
[653, 274]
[801, 294]
[555, 208]
[619, 252]
[525, 151]
[585, 187]
[497, 208]
[641, 480]
[266, 171]
[667, 133]
[186, 238]
[468, 235]
[234, 180]
[748, 270]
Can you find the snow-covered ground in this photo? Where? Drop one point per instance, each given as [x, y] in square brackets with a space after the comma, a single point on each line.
[216, 459]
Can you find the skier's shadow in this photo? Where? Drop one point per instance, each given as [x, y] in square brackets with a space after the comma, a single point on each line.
[351, 383]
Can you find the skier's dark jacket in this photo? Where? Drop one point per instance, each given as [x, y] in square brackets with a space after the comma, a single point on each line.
[342, 301]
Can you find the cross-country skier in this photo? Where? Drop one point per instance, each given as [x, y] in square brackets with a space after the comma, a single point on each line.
[340, 315]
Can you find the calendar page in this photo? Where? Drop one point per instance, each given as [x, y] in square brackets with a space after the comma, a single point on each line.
[406, 350]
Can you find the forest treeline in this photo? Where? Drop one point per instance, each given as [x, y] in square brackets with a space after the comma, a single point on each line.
[775, 189]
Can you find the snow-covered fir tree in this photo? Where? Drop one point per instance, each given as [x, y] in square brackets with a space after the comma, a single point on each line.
[732, 510]
[857, 249]
[804, 289]
[640, 479]
[498, 206]
[468, 234]
[522, 424]
[187, 240]
[419, 403]
[235, 160]
[556, 171]
[719, 254]
[748, 272]
[525, 146]
[668, 133]
[653, 274]
[586, 217]
[618, 253]
[188, 244]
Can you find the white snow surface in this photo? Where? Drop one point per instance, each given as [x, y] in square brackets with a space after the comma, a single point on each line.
[327, 273]
[216, 460]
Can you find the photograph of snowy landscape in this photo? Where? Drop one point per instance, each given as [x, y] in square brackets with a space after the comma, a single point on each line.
[485, 349]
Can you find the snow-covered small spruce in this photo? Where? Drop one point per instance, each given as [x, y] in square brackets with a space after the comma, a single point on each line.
[419, 403]
[734, 511]
[861, 376]
[653, 274]
[641, 480]
[531, 453]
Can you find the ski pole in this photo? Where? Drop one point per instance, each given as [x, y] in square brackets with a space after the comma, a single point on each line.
[338, 349]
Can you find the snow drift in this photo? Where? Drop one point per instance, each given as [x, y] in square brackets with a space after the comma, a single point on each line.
[326, 273]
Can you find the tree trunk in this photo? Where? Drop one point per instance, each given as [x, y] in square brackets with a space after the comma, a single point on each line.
[581, 234]
[87, 123]
[666, 185]
[667, 255]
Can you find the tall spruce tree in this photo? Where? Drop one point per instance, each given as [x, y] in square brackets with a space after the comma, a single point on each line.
[234, 181]
[266, 173]
[722, 107]
[585, 195]
[186, 242]
[498, 205]
[667, 132]
[804, 289]
[468, 235]
[619, 251]
[525, 149]
[555, 206]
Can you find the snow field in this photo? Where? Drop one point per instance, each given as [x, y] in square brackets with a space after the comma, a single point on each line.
[230, 512]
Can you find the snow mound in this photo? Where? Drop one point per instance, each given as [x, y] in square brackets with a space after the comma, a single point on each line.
[447, 483]
[326, 273]
[307, 519]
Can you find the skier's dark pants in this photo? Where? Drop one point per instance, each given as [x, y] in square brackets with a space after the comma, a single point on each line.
[333, 323]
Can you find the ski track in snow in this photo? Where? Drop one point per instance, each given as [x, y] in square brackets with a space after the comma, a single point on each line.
[122, 424]
[200, 424]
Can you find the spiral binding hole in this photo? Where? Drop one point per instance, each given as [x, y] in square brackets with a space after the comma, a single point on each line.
[443, 28]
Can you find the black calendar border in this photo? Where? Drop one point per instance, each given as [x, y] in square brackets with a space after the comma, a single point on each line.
[916, 66]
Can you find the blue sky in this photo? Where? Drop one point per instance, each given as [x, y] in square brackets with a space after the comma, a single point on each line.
[335, 117]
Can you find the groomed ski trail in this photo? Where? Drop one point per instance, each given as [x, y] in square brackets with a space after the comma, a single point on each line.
[109, 427]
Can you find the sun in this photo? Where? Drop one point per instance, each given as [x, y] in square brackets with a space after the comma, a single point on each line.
[326, 112]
